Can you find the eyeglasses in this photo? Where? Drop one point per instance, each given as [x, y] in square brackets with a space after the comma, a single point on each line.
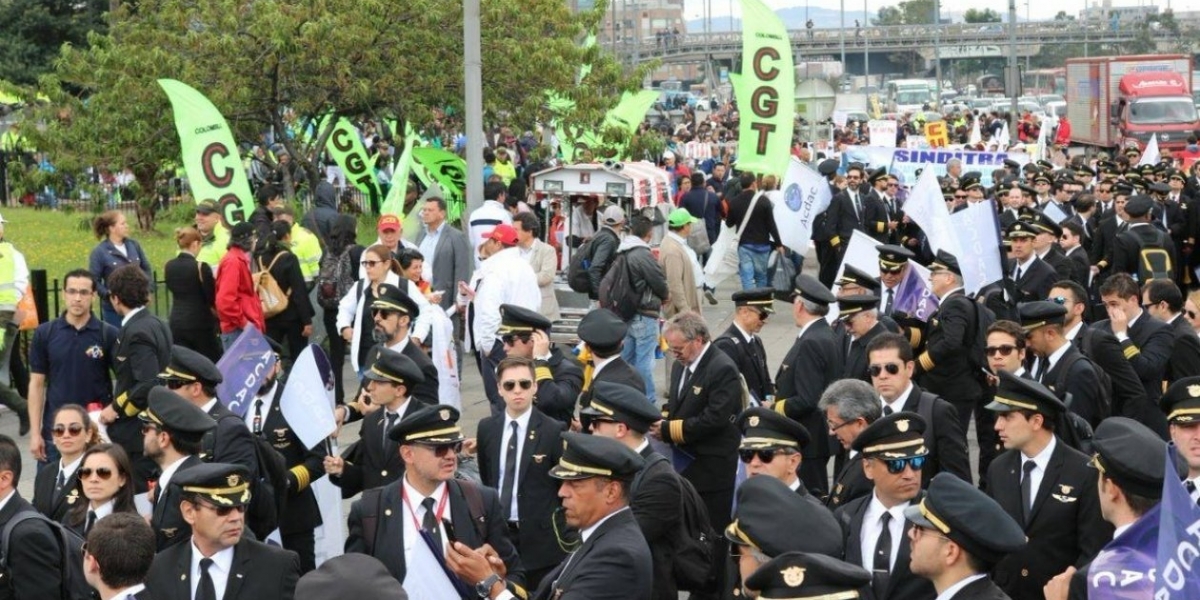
[763, 315]
[380, 313]
[222, 511]
[442, 450]
[833, 428]
[512, 384]
[1004, 350]
[891, 368]
[1059, 299]
[104, 473]
[173, 383]
[371, 263]
[765, 455]
[1149, 305]
[896, 466]
[73, 429]
[150, 427]
[512, 338]
[895, 185]
[1191, 314]
[918, 531]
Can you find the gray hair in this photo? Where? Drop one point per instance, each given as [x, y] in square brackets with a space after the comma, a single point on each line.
[954, 162]
[852, 399]
[813, 308]
[690, 325]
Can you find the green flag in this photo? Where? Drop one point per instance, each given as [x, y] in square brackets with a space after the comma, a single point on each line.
[210, 155]
[394, 203]
[347, 149]
[449, 171]
[626, 115]
[766, 91]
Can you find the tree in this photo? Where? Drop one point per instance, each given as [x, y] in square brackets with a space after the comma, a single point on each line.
[908, 12]
[987, 15]
[275, 67]
[1063, 16]
[31, 32]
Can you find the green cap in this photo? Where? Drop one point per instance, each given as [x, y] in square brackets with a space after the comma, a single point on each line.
[680, 217]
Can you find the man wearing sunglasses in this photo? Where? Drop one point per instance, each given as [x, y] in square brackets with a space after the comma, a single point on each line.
[1071, 241]
[433, 510]
[1044, 485]
[1130, 462]
[393, 312]
[218, 556]
[884, 223]
[759, 531]
[516, 451]
[172, 430]
[742, 344]
[526, 334]
[771, 445]
[894, 453]
[1163, 300]
[958, 535]
[620, 412]
[1032, 276]
[1045, 245]
[373, 460]
[1059, 365]
[893, 266]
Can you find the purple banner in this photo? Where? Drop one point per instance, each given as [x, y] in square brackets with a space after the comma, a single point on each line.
[244, 365]
[1178, 539]
[1124, 568]
[913, 297]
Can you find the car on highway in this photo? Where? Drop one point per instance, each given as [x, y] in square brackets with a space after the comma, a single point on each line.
[1046, 99]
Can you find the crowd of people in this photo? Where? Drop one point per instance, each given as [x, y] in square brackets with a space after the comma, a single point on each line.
[588, 476]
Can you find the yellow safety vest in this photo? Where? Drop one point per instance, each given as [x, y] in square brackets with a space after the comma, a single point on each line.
[8, 274]
[213, 249]
[307, 249]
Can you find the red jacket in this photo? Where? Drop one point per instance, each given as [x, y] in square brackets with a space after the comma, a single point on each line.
[237, 304]
[1063, 136]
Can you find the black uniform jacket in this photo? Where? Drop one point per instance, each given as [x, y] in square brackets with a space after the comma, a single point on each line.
[613, 564]
[258, 571]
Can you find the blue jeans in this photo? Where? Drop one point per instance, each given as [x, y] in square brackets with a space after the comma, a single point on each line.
[640, 343]
[227, 339]
[752, 266]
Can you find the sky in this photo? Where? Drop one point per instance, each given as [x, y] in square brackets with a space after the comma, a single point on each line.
[694, 9]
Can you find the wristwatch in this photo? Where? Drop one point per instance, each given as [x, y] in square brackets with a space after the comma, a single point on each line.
[484, 588]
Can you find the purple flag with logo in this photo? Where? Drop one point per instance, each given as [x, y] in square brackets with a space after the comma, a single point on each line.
[1123, 569]
[1178, 539]
[244, 365]
[913, 296]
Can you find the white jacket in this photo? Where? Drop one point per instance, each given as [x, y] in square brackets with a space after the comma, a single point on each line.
[504, 278]
[349, 314]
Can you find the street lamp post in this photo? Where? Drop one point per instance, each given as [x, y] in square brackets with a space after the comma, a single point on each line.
[1013, 76]
[473, 105]
[937, 50]
[866, 46]
[843, 40]
[1027, 2]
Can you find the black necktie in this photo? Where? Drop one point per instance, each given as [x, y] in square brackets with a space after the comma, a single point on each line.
[1017, 275]
[857, 207]
[683, 381]
[510, 471]
[429, 523]
[1027, 488]
[1190, 486]
[387, 441]
[881, 570]
[62, 480]
[91, 520]
[258, 416]
[206, 590]
[1038, 371]
[887, 307]
[887, 410]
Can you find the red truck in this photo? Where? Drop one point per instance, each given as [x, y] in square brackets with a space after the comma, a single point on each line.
[1119, 101]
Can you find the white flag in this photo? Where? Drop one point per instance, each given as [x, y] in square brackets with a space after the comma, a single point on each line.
[1003, 138]
[975, 228]
[976, 136]
[307, 399]
[1041, 141]
[805, 195]
[1150, 156]
[927, 208]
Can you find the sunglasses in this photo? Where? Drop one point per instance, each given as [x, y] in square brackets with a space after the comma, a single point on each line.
[1004, 350]
[512, 384]
[512, 338]
[171, 383]
[104, 473]
[73, 429]
[1191, 314]
[442, 450]
[893, 185]
[371, 263]
[382, 314]
[765, 455]
[896, 466]
[958, 197]
[891, 368]
[222, 511]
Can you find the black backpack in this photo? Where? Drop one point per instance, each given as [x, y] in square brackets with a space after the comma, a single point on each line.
[577, 271]
[695, 541]
[70, 546]
[1154, 262]
[977, 355]
[268, 492]
[1078, 432]
[618, 291]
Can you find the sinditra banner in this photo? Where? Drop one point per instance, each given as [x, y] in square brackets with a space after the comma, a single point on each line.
[904, 162]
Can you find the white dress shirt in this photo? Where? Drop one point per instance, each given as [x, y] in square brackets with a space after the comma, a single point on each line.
[691, 368]
[872, 528]
[268, 400]
[415, 515]
[167, 473]
[897, 405]
[522, 422]
[127, 593]
[1042, 460]
[69, 469]
[218, 571]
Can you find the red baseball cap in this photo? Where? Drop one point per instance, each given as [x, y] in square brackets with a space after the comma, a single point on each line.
[387, 222]
[505, 234]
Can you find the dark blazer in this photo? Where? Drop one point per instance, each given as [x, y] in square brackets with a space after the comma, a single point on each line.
[366, 464]
[453, 261]
[1036, 280]
[45, 500]
[1104, 241]
[230, 442]
[258, 571]
[193, 293]
[425, 392]
[851, 483]
[944, 368]
[1128, 395]
[559, 380]
[980, 589]
[655, 505]
[1185, 352]
[1080, 269]
[751, 359]
[842, 218]
[616, 371]
[813, 362]
[286, 271]
[34, 559]
[536, 491]
[947, 441]
[143, 351]
[613, 564]
[1148, 349]
[389, 540]
[856, 355]
[902, 585]
[305, 466]
[1064, 528]
[1063, 266]
[167, 518]
[699, 421]
[1082, 383]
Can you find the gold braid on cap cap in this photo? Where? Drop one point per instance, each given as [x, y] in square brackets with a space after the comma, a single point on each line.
[388, 375]
[847, 595]
[582, 469]
[893, 446]
[1184, 412]
[421, 435]
[763, 442]
[383, 303]
[741, 535]
[511, 328]
[1016, 403]
[600, 407]
[179, 374]
[237, 489]
[932, 518]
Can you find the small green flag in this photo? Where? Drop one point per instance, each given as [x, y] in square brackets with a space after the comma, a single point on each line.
[210, 156]
[394, 203]
[347, 150]
[449, 171]
[766, 91]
